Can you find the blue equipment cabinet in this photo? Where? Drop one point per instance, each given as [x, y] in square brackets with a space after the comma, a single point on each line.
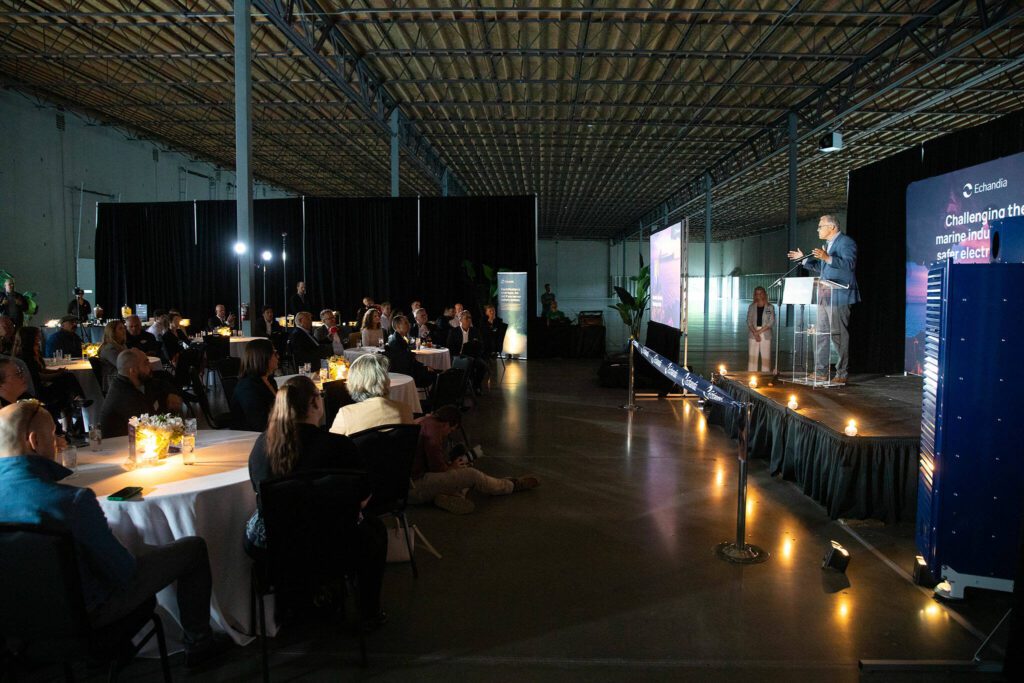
[971, 477]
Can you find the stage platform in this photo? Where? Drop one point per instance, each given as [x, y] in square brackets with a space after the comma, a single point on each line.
[869, 476]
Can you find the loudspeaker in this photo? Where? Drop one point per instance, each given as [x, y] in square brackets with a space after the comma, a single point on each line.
[836, 557]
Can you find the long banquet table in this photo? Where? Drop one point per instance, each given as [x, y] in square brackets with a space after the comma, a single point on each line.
[212, 499]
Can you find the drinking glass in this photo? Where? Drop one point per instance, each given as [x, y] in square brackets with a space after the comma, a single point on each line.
[188, 442]
[95, 439]
[68, 456]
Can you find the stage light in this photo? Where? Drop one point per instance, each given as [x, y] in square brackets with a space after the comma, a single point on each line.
[792, 405]
[240, 248]
[267, 255]
[753, 382]
[851, 428]
[836, 557]
[831, 142]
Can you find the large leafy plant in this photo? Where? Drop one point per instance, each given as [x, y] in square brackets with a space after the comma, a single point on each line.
[631, 307]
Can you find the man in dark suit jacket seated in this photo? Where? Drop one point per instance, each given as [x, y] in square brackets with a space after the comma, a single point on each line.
[138, 338]
[219, 320]
[266, 325]
[133, 392]
[398, 351]
[493, 330]
[64, 339]
[426, 330]
[303, 345]
[465, 340]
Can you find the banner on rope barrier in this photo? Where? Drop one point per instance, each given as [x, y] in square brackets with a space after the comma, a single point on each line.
[688, 380]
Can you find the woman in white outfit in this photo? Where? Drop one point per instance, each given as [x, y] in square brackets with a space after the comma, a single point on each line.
[760, 321]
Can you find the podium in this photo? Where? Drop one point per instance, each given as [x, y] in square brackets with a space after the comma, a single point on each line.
[812, 336]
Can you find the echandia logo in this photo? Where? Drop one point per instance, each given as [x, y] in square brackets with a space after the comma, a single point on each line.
[976, 188]
[968, 190]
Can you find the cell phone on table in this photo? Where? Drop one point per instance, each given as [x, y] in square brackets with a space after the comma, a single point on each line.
[125, 493]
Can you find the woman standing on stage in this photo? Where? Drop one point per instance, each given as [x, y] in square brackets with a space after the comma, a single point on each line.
[760, 321]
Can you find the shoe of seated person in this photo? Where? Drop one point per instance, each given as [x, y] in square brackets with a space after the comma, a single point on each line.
[208, 649]
[457, 505]
[524, 484]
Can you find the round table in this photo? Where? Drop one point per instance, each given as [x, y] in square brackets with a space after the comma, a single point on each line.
[236, 345]
[403, 389]
[437, 357]
[212, 499]
[82, 369]
[352, 354]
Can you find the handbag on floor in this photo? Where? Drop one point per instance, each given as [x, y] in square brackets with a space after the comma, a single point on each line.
[398, 551]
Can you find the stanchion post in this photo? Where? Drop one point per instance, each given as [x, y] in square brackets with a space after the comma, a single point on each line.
[631, 405]
[741, 552]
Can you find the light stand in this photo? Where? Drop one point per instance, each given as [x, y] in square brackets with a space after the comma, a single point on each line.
[284, 277]
[266, 259]
[240, 249]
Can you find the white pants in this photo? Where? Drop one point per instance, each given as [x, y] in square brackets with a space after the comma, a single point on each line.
[762, 348]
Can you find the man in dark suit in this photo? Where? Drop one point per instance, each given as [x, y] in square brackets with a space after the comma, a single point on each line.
[133, 392]
[266, 325]
[303, 345]
[465, 340]
[300, 301]
[220, 319]
[138, 338]
[64, 339]
[398, 351]
[493, 330]
[835, 261]
[428, 331]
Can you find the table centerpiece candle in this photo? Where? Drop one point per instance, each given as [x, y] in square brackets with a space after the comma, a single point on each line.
[149, 438]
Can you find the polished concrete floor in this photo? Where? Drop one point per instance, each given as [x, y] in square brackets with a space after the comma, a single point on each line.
[607, 571]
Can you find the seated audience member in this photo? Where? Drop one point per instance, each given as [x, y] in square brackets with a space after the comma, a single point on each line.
[114, 582]
[329, 334]
[254, 393]
[385, 318]
[368, 304]
[64, 339]
[159, 324]
[6, 336]
[303, 344]
[428, 332]
[219, 318]
[266, 325]
[492, 330]
[445, 320]
[294, 442]
[438, 478]
[553, 316]
[79, 307]
[456, 314]
[465, 340]
[56, 387]
[138, 338]
[400, 357]
[415, 306]
[179, 352]
[114, 342]
[13, 382]
[369, 386]
[134, 391]
[371, 332]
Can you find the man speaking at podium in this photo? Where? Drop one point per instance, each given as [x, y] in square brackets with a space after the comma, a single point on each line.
[834, 261]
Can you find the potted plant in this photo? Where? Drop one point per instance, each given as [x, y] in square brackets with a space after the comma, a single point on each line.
[631, 308]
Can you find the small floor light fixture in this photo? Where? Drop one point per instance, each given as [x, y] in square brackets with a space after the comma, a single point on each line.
[792, 405]
[851, 428]
[836, 557]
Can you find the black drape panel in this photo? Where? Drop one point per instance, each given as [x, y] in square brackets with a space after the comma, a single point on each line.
[496, 231]
[360, 247]
[877, 221]
[271, 218]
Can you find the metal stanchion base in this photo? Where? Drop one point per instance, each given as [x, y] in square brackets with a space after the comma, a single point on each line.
[746, 554]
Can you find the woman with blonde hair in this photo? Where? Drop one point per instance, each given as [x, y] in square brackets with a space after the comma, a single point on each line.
[369, 386]
[115, 335]
[760, 321]
[372, 334]
[294, 442]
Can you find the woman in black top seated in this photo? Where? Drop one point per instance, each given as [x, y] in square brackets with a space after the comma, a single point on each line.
[57, 388]
[294, 442]
[254, 395]
[178, 350]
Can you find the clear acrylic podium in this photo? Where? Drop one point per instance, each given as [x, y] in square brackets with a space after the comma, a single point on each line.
[812, 347]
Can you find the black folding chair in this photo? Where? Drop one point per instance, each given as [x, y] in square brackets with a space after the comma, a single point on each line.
[216, 348]
[336, 397]
[310, 520]
[100, 372]
[389, 452]
[42, 608]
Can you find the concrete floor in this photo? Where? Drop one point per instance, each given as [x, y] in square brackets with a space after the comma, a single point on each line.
[606, 572]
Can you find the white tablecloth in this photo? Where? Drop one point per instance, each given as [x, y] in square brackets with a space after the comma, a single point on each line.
[438, 358]
[82, 370]
[352, 354]
[403, 389]
[212, 499]
[237, 345]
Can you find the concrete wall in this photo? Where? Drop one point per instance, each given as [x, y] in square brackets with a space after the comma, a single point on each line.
[46, 218]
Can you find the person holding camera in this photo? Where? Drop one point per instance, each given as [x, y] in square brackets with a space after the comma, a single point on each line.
[443, 476]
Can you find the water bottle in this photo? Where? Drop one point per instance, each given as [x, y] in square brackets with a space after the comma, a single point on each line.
[95, 439]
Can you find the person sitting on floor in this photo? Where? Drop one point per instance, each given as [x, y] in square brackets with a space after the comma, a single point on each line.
[114, 337]
[444, 481]
[13, 382]
[369, 386]
[371, 333]
[303, 344]
[254, 394]
[133, 392]
[114, 582]
[401, 358]
[294, 442]
[64, 339]
[141, 339]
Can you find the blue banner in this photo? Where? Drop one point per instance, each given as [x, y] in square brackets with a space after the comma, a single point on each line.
[688, 380]
[512, 308]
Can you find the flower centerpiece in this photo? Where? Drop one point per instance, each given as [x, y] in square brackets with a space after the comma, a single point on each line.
[337, 367]
[224, 331]
[150, 436]
[91, 350]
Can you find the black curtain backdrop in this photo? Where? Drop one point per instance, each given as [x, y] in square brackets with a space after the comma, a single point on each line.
[877, 221]
[180, 254]
[496, 231]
